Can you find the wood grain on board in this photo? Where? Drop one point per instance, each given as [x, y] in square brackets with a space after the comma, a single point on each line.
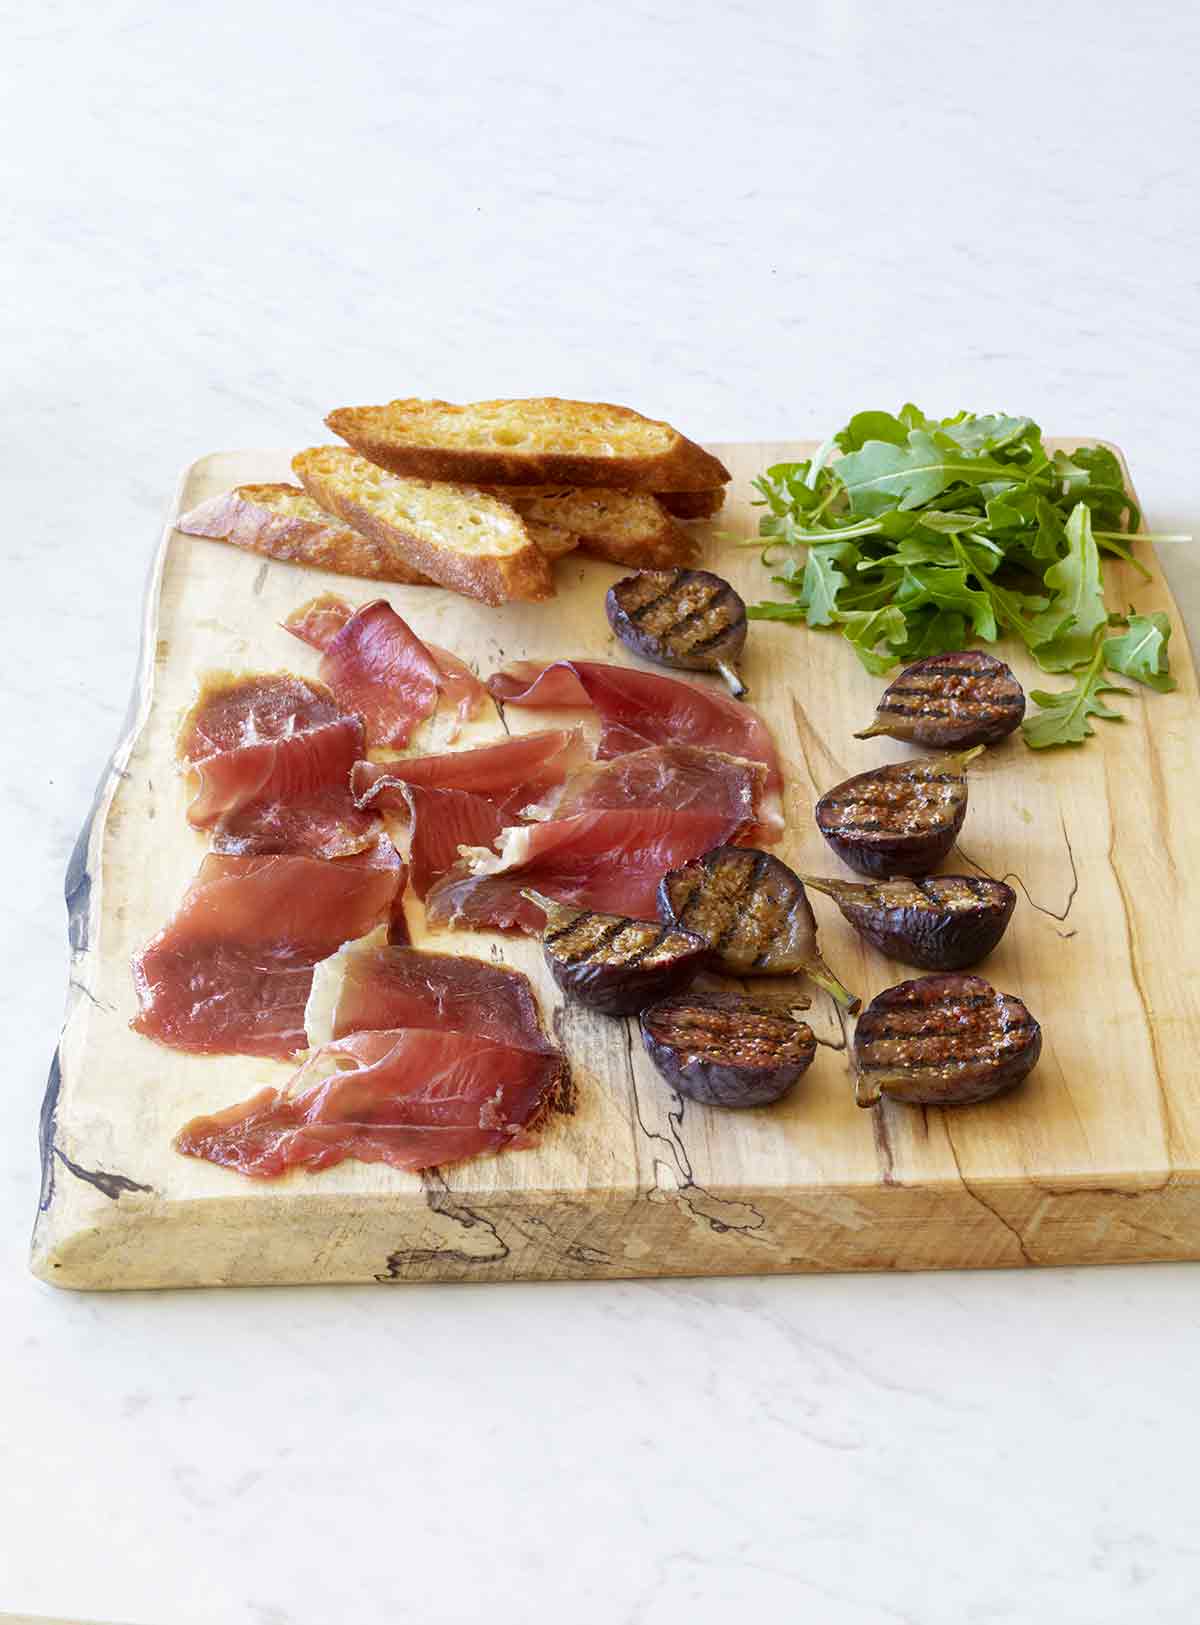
[1095, 1159]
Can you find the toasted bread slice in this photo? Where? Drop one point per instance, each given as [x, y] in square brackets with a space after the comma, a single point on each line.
[693, 504]
[544, 441]
[460, 536]
[624, 527]
[552, 540]
[283, 522]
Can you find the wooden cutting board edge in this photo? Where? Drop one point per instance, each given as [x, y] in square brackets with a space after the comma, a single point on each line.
[1153, 1215]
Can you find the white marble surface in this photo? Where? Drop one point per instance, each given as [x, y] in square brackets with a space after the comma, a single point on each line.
[751, 217]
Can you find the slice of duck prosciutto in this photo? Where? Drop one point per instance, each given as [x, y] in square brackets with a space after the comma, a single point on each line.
[231, 972]
[638, 709]
[377, 666]
[673, 778]
[271, 756]
[413, 1098]
[609, 862]
[464, 797]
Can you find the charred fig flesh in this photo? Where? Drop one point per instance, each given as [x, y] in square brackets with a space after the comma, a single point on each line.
[943, 1041]
[752, 910]
[945, 922]
[613, 964]
[691, 620]
[723, 1049]
[950, 701]
[901, 819]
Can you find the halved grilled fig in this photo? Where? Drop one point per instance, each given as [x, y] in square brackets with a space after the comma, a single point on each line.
[724, 1049]
[951, 700]
[614, 964]
[944, 922]
[943, 1041]
[753, 911]
[689, 619]
[901, 819]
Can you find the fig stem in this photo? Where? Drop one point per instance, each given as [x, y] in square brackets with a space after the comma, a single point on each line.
[819, 972]
[829, 887]
[867, 1092]
[869, 733]
[540, 900]
[736, 687]
[965, 757]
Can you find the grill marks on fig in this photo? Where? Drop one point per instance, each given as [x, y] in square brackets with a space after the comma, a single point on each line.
[726, 1050]
[691, 620]
[943, 1041]
[615, 964]
[957, 699]
[752, 909]
[899, 819]
[944, 922]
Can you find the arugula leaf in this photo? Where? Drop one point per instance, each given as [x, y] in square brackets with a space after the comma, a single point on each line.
[864, 426]
[1076, 610]
[823, 581]
[866, 629]
[883, 476]
[1063, 718]
[1142, 652]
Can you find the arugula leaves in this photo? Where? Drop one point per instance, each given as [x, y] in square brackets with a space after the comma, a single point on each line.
[913, 535]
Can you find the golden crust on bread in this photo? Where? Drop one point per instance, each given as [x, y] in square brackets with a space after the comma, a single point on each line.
[540, 441]
[623, 527]
[459, 536]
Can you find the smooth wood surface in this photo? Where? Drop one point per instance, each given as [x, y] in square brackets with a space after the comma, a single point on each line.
[1095, 1159]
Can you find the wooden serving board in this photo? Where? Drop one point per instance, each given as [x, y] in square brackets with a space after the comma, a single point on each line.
[1095, 1159]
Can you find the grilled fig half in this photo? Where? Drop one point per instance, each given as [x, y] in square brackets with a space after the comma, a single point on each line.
[613, 964]
[945, 922]
[752, 910]
[897, 820]
[689, 619]
[950, 701]
[723, 1049]
[943, 1041]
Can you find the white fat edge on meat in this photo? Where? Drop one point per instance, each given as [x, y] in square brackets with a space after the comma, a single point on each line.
[328, 978]
[514, 849]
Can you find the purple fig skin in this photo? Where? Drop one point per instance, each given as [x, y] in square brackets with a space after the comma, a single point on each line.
[901, 819]
[943, 1041]
[943, 923]
[754, 912]
[689, 620]
[950, 701]
[616, 965]
[723, 1049]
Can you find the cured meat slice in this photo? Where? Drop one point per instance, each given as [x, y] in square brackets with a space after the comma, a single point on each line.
[609, 862]
[272, 756]
[367, 988]
[376, 665]
[231, 972]
[413, 1098]
[465, 797]
[673, 778]
[639, 708]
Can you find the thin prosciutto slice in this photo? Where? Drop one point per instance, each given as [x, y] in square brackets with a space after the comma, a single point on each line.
[366, 987]
[413, 1098]
[377, 666]
[231, 972]
[271, 756]
[610, 862]
[672, 778]
[638, 709]
[465, 797]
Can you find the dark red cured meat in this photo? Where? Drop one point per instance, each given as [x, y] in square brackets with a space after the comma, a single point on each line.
[413, 1098]
[231, 972]
[377, 666]
[272, 756]
[639, 708]
[465, 797]
[673, 778]
[381, 988]
[610, 862]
